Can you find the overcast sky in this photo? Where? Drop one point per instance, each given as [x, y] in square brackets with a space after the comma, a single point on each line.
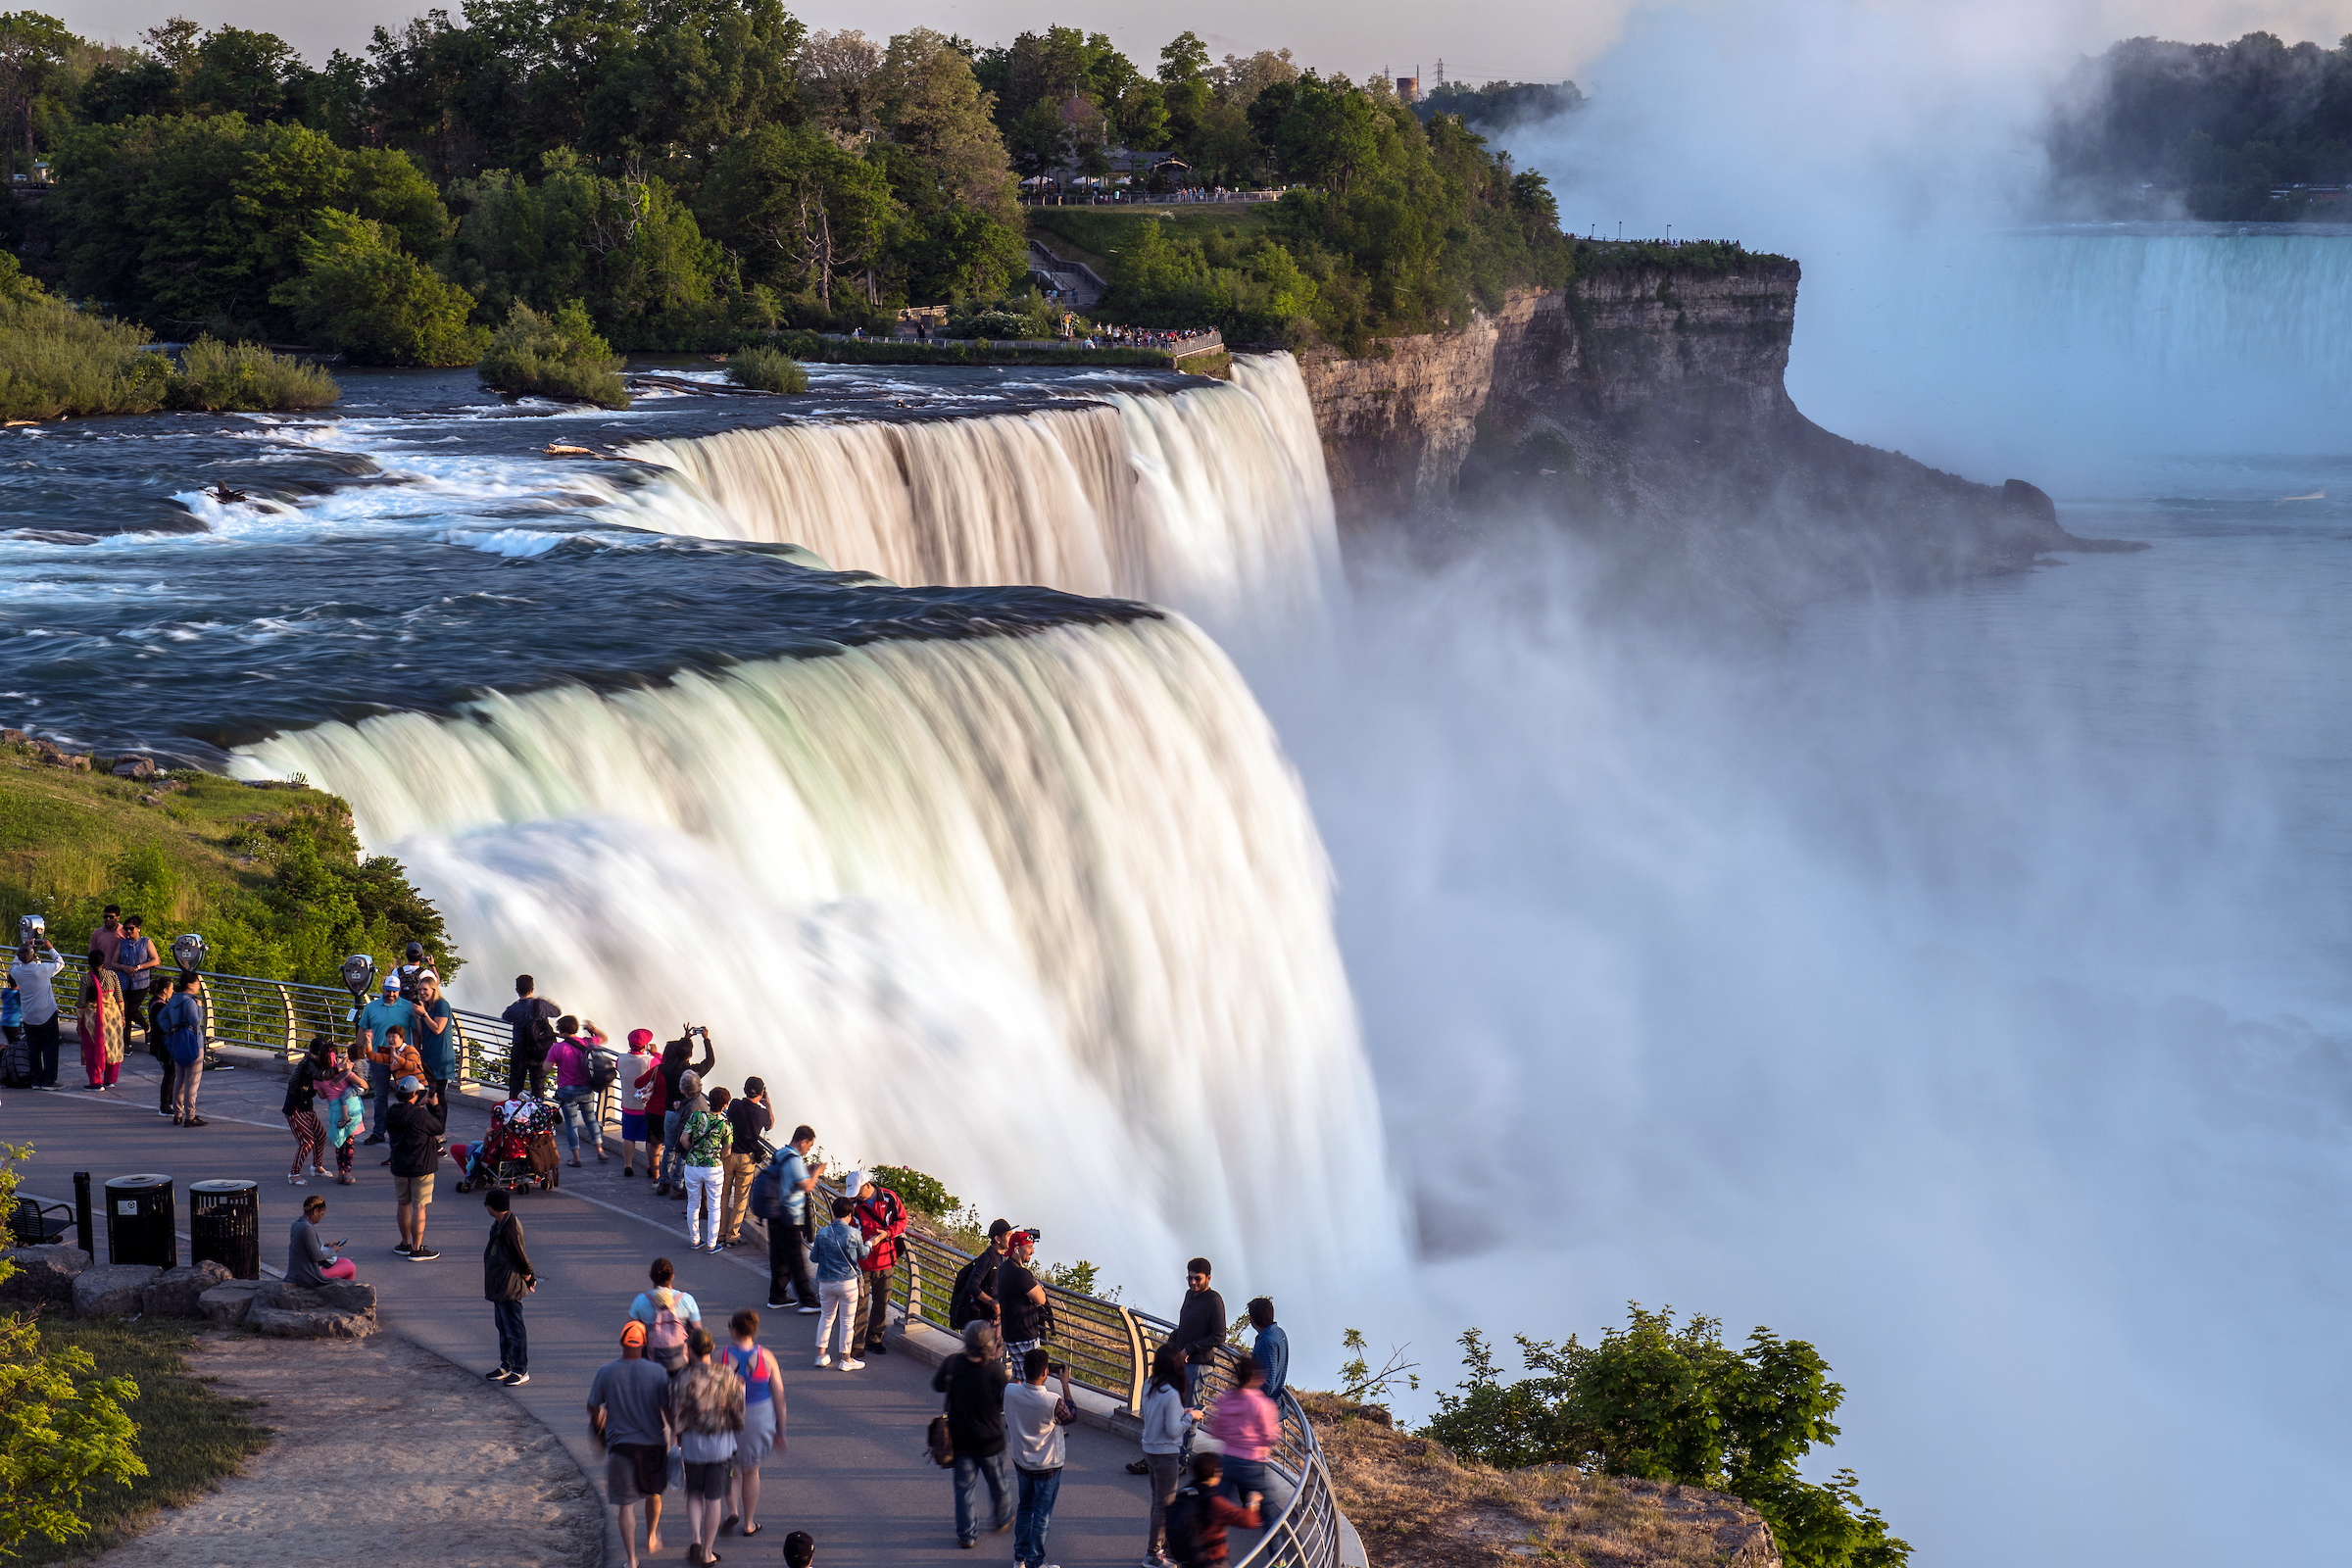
[1528, 40]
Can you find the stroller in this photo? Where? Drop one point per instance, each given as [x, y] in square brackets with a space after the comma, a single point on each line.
[517, 1151]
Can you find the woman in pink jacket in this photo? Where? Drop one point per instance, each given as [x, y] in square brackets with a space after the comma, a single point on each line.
[1247, 1424]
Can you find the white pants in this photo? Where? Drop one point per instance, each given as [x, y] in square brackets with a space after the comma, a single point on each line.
[702, 1202]
[838, 1302]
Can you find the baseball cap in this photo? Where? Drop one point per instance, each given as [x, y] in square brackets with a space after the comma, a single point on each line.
[391, 982]
[852, 1182]
[640, 1037]
[755, 1086]
[410, 1083]
[997, 1228]
[633, 1332]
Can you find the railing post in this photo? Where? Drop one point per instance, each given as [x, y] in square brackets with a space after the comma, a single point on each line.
[285, 1000]
[1136, 1369]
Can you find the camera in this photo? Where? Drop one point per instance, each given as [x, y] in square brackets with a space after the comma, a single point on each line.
[693, 1029]
[1034, 1233]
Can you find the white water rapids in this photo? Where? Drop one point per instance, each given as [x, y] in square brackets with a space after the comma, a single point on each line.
[1212, 499]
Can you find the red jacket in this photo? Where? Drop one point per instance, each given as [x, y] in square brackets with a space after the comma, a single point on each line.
[881, 1220]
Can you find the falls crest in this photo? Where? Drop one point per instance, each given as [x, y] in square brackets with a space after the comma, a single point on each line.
[1212, 499]
[933, 891]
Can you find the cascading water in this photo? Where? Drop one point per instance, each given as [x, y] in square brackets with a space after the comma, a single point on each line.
[1212, 499]
[1045, 914]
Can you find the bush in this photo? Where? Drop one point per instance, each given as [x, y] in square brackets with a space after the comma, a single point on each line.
[770, 371]
[922, 1194]
[1662, 1403]
[559, 357]
[242, 377]
[55, 360]
[360, 294]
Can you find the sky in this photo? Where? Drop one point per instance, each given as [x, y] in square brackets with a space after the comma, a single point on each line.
[1526, 40]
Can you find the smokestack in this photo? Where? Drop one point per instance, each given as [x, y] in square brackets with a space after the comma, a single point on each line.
[1409, 89]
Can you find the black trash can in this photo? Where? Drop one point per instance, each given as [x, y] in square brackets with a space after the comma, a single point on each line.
[140, 1221]
[225, 1225]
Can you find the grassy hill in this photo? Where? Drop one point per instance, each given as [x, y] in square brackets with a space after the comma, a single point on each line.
[1095, 235]
[271, 875]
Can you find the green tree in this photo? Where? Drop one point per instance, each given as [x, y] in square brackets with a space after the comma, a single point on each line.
[62, 1427]
[1664, 1403]
[559, 357]
[363, 295]
[803, 213]
[934, 107]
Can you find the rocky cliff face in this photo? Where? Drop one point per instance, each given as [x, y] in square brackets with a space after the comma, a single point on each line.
[1650, 403]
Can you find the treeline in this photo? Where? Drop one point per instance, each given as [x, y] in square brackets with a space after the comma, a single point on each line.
[1500, 106]
[699, 173]
[2215, 127]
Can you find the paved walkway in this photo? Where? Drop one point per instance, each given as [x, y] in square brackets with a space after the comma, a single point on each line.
[855, 1475]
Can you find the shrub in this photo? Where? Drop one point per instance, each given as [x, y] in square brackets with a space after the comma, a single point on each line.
[56, 361]
[1663, 1404]
[244, 377]
[922, 1194]
[553, 357]
[770, 371]
[360, 294]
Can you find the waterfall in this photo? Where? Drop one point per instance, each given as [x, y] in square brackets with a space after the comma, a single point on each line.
[1043, 914]
[1212, 499]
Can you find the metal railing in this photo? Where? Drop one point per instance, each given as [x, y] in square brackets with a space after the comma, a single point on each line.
[280, 1017]
[1108, 1348]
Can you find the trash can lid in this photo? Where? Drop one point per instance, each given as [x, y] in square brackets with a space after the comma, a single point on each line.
[131, 1182]
[220, 1185]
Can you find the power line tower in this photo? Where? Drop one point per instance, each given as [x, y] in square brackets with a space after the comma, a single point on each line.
[1440, 71]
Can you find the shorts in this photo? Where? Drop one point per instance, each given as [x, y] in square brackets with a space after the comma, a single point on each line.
[632, 1126]
[708, 1482]
[757, 1439]
[629, 1468]
[414, 1191]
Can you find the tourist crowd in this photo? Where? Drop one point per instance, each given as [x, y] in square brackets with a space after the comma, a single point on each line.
[677, 1407]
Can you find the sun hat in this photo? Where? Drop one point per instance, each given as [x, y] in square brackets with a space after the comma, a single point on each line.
[640, 1038]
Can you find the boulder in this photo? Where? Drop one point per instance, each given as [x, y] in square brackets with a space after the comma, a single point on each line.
[279, 1324]
[134, 767]
[44, 1275]
[114, 1289]
[336, 1295]
[227, 1306]
[176, 1291]
[15, 737]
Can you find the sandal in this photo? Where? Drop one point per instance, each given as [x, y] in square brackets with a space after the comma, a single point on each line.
[750, 1530]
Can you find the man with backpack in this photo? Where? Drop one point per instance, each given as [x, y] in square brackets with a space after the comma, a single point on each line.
[1201, 1514]
[179, 1024]
[667, 1314]
[787, 1267]
[531, 1017]
[881, 1219]
[1023, 1314]
[972, 1299]
[748, 1119]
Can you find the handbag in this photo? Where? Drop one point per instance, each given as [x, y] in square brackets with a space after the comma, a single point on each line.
[677, 1466]
[939, 1444]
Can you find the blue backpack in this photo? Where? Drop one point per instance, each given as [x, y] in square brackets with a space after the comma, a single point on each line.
[183, 1030]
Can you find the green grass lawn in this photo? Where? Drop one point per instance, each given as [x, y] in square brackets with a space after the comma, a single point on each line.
[189, 1436]
[1095, 235]
[65, 835]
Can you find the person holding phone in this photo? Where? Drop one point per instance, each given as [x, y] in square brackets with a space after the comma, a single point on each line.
[1033, 1421]
[506, 1278]
[310, 1261]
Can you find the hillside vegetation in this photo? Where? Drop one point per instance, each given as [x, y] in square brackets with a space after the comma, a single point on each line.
[272, 877]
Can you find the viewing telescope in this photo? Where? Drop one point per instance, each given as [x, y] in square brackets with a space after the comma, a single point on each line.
[187, 949]
[31, 929]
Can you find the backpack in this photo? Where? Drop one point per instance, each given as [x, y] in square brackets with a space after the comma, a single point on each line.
[667, 1338]
[767, 1192]
[185, 1041]
[604, 1068]
[1183, 1520]
[543, 1038]
[961, 1308]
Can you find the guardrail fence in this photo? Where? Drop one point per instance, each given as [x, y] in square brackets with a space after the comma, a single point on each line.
[1108, 1348]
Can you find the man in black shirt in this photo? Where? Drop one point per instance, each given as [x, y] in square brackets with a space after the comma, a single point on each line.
[416, 1120]
[1199, 1333]
[749, 1115]
[526, 1056]
[974, 1383]
[1024, 1317]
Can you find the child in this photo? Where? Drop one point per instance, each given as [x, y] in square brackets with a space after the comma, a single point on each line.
[799, 1549]
[339, 1092]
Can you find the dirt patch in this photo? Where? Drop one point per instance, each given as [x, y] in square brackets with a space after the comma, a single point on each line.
[1418, 1506]
[378, 1441]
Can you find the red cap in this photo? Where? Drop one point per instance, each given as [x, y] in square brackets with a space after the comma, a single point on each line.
[640, 1037]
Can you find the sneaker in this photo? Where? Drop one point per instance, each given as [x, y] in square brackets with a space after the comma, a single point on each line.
[499, 1376]
[404, 1249]
[423, 1255]
[515, 1380]
[810, 1311]
[293, 1179]
[1137, 1467]
[853, 1364]
[373, 1138]
[777, 1306]
[824, 1360]
[195, 1121]
[877, 1348]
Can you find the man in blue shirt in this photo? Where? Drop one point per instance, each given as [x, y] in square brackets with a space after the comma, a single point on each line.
[1271, 1349]
[385, 1013]
[788, 1270]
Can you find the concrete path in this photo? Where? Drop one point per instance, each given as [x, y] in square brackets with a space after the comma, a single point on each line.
[852, 1471]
